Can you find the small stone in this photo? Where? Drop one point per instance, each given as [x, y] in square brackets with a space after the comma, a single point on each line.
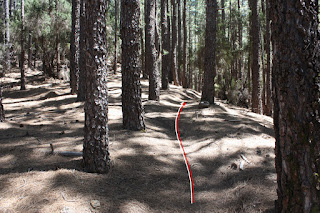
[204, 104]
[95, 204]
[259, 152]
[267, 156]
[62, 133]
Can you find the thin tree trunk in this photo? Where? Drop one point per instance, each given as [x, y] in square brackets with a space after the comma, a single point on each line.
[179, 46]
[74, 46]
[296, 80]
[29, 50]
[82, 53]
[57, 42]
[116, 6]
[151, 51]
[22, 55]
[165, 45]
[132, 109]
[96, 157]
[255, 67]
[185, 38]
[268, 67]
[210, 52]
[7, 40]
[190, 68]
[2, 115]
[174, 43]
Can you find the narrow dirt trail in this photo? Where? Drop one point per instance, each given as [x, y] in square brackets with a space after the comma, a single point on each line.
[149, 174]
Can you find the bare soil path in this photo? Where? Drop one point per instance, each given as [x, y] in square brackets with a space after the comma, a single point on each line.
[149, 174]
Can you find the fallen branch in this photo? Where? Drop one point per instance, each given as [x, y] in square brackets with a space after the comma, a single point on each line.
[63, 196]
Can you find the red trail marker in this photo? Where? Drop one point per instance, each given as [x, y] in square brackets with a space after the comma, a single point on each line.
[184, 153]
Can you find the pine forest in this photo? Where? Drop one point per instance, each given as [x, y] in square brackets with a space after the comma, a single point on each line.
[159, 106]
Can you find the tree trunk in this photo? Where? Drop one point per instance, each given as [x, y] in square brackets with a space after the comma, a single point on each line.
[2, 116]
[185, 38]
[57, 41]
[179, 46]
[210, 52]
[29, 50]
[6, 67]
[256, 107]
[82, 53]
[268, 67]
[132, 109]
[296, 75]
[74, 46]
[190, 68]
[174, 43]
[151, 51]
[96, 155]
[165, 45]
[116, 6]
[223, 18]
[22, 55]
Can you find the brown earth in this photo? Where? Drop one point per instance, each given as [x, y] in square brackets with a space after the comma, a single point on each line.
[149, 173]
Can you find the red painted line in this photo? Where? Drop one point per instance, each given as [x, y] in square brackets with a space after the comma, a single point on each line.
[184, 155]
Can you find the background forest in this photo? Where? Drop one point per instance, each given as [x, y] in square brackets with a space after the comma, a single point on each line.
[117, 66]
[48, 26]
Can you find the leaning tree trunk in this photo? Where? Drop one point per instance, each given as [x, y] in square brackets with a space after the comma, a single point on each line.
[82, 54]
[96, 156]
[296, 86]
[132, 109]
[254, 35]
[210, 52]
[22, 54]
[74, 46]
[151, 51]
[165, 45]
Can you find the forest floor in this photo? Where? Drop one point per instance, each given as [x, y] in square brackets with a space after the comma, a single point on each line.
[149, 173]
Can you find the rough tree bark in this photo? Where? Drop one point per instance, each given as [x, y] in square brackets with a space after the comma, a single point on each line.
[96, 156]
[296, 86]
[116, 6]
[185, 38]
[132, 109]
[165, 45]
[57, 40]
[6, 67]
[174, 43]
[255, 67]
[151, 51]
[179, 46]
[82, 54]
[268, 67]
[210, 52]
[74, 46]
[22, 54]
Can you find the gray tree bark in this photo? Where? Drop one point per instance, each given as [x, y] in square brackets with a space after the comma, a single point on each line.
[96, 155]
[151, 51]
[132, 109]
[296, 87]
[210, 52]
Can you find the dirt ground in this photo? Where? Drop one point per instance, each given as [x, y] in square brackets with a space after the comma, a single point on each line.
[149, 173]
